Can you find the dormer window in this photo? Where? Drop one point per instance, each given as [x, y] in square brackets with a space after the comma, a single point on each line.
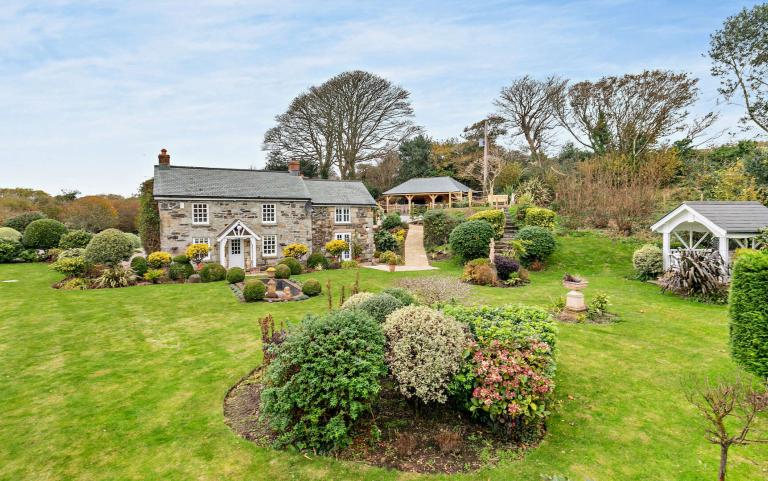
[342, 215]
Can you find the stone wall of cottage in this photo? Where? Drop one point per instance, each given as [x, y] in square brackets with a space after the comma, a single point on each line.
[324, 228]
[177, 230]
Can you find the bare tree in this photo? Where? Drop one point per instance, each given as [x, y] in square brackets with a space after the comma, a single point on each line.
[474, 169]
[353, 118]
[731, 410]
[627, 114]
[528, 106]
[739, 53]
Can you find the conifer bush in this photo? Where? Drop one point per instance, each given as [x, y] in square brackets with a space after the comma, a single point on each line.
[749, 312]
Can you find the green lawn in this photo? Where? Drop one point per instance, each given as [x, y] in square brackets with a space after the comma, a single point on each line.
[128, 383]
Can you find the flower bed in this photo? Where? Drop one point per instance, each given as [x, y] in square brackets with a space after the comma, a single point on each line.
[280, 285]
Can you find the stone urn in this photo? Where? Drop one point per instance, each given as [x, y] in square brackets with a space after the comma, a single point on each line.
[574, 300]
[271, 272]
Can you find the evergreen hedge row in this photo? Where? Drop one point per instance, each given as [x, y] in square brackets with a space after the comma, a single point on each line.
[749, 312]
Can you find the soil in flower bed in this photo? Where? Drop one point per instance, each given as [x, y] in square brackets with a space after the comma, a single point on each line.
[439, 439]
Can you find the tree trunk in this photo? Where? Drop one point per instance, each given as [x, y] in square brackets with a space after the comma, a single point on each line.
[723, 462]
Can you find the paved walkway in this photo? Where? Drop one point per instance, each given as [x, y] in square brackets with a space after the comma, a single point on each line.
[415, 255]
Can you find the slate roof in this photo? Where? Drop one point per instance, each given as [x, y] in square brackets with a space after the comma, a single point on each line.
[424, 185]
[733, 216]
[333, 192]
[205, 182]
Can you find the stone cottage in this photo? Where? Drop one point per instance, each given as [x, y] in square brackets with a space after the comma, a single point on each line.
[248, 216]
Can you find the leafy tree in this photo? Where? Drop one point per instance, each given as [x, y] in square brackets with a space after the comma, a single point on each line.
[91, 213]
[149, 217]
[21, 221]
[415, 158]
[351, 119]
[739, 53]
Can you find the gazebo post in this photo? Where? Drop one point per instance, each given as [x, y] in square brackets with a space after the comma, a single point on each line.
[432, 200]
[723, 249]
[410, 198]
[470, 198]
[386, 203]
[666, 249]
[450, 199]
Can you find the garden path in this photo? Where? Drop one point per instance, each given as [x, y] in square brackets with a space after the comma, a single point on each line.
[415, 255]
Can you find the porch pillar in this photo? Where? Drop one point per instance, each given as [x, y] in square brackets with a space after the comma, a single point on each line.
[253, 252]
[666, 249]
[723, 248]
[222, 251]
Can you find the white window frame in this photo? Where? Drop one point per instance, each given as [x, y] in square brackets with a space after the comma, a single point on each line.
[264, 240]
[203, 208]
[204, 240]
[264, 219]
[343, 215]
[347, 237]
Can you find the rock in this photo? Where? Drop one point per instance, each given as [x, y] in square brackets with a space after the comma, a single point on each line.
[194, 279]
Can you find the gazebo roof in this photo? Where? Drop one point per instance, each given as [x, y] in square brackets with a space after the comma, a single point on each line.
[730, 217]
[428, 185]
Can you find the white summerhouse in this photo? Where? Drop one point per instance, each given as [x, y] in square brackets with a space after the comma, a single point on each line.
[709, 226]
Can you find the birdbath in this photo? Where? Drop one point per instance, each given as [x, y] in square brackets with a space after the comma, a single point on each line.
[271, 289]
[574, 300]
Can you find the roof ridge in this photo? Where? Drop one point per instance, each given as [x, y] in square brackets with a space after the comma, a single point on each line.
[226, 168]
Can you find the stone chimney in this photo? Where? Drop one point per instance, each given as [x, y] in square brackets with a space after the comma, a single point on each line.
[294, 167]
[164, 159]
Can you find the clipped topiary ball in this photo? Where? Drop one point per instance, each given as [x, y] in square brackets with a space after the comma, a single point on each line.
[235, 275]
[254, 290]
[311, 287]
[213, 272]
[648, 262]
[471, 239]
[109, 247]
[282, 271]
[139, 266]
[541, 243]
[75, 239]
[43, 234]
[292, 264]
[380, 306]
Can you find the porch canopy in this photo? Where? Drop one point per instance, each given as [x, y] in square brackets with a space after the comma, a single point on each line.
[236, 230]
[428, 191]
[696, 225]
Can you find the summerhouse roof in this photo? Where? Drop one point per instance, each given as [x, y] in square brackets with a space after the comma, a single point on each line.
[731, 217]
[428, 185]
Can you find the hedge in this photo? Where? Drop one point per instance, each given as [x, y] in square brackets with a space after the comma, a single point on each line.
[749, 312]
[539, 216]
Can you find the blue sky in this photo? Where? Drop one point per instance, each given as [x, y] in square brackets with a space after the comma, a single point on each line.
[90, 91]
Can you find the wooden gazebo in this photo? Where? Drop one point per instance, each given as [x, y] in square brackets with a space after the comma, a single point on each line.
[430, 191]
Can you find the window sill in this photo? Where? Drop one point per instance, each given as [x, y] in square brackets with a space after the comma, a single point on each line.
[269, 223]
[343, 223]
[269, 256]
[201, 223]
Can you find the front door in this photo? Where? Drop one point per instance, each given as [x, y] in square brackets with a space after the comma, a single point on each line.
[346, 237]
[236, 256]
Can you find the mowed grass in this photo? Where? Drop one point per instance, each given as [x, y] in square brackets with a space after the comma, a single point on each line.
[127, 384]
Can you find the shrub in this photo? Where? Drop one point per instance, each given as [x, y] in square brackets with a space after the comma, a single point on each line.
[10, 234]
[385, 241]
[389, 258]
[480, 272]
[212, 272]
[180, 259]
[438, 226]
[436, 290]
[698, 275]
[235, 275]
[43, 234]
[749, 313]
[10, 250]
[296, 251]
[356, 299]
[540, 243]
[71, 266]
[197, 252]
[495, 217]
[75, 239]
[51, 255]
[648, 261]
[74, 252]
[254, 290]
[379, 306]
[402, 295]
[293, 265]
[108, 247]
[509, 323]
[154, 275]
[311, 287]
[139, 266]
[159, 259]
[317, 259]
[312, 403]
[112, 277]
[541, 217]
[21, 221]
[391, 221]
[133, 239]
[29, 255]
[471, 239]
[350, 264]
[282, 271]
[336, 247]
[505, 266]
[75, 284]
[179, 271]
[399, 236]
[424, 351]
